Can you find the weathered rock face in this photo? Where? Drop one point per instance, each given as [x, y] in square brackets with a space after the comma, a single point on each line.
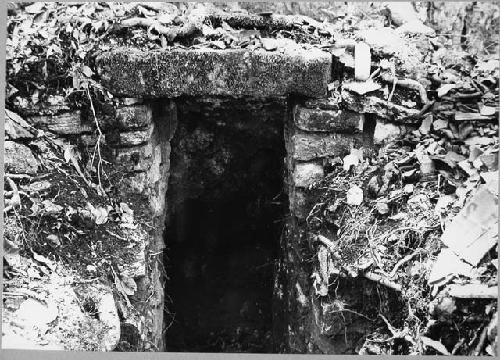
[19, 159]
[64, 124]
[327, 120]
[206, 72]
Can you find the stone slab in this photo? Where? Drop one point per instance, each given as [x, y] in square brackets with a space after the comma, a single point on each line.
[63, 124]
[327, 120]
[307, 147]
[306, 174]
[136, 137]
[19, 159]
[136, 158]
[134, 116]
[208, 72]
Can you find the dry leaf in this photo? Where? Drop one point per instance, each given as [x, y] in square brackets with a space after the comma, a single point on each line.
[436, 345]
[50, 207]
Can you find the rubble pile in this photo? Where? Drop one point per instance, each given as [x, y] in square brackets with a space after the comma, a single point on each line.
[417, 212]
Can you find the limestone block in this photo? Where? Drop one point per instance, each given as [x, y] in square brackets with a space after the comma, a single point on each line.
[137, 158]
[210, 72]
[327, 120]
[136, 137]
[307, 147]
[91, 139]
[385, 131]
[63, 124]
[19, 159]
[133, 117]
[134, 183]
[331, 103]
[298, 204]
[373, 105]
[306, 174]
[108, 315]
[16, 127]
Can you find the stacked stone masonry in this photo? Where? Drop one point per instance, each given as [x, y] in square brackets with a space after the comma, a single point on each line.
[319, 131]
[138, 136]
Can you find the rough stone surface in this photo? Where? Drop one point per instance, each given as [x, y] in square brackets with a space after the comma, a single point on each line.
[327, 120]
[108, 315]
[332, 103]
[373, 105]
[385, 131]
[306, 174]
[91, 139]
[312, 146]
[137, 158]
[134, 182]
[298, 204]
[16, 127]
[134, 73]
[63, 124]
[133, 117]
[19, 159]
[136, 137]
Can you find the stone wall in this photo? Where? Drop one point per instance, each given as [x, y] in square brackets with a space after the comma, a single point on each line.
[140, 142]
[318, 130]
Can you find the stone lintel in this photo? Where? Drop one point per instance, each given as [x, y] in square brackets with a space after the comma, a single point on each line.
[208, 72]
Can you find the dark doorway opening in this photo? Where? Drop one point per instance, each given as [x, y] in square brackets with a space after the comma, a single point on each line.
[226, 204]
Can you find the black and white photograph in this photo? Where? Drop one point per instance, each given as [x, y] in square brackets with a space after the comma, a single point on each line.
[251, 177]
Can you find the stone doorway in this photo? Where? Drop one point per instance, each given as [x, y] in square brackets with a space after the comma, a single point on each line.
[226, 203]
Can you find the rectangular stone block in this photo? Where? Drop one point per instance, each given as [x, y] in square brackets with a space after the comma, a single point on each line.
[306, 174]
[331, 103]
[136, 137]
[63, 124]
[133, 117]
[19, 159]
[298, 204]
[89, 140]
[137, 158]
[307, 147]
[208, 72]
[134, 183]
[327, 120]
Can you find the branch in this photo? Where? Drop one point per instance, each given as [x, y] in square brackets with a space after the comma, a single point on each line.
[407, 83]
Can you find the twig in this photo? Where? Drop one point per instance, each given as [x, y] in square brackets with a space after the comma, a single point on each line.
[329, 244]
[395, 80]
[402, 262]
[15, 201]
[98, 144]
[374, 73]
[480, 344]
[27, 293]
[394, 332]
[17, 176]
[457, 346]
[352, 312]
[406, 83]
[116, 235]
[382, 280]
